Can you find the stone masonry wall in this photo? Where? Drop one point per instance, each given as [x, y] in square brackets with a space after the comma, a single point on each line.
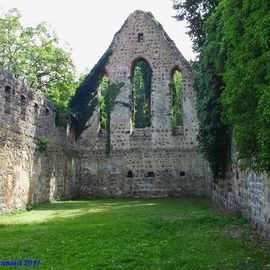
[247, 193]
[28, 175]
[154, 161]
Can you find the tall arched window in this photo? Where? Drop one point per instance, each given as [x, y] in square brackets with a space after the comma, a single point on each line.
[104, 84]
[177, 89]
[141, 93]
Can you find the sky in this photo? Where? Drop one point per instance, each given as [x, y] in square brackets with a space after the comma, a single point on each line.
[88, 26]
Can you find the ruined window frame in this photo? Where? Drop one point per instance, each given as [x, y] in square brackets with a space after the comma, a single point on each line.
[148, 74]
[177, 128]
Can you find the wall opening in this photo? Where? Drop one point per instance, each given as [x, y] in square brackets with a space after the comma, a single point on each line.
[140, 38]
[150, 174]
[7, 99]
[182, 173]
[36, 108]
[177, 89]
[141, 93]
[23, 107]
[129, 174]
[104, 85]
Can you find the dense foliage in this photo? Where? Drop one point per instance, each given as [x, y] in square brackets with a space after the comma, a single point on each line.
[141, 94]
[214, 136]
[195, 12]
[177, 87]
[109, 94]
[33, 54]
[247, 77]
[85, 100]
[232, 80]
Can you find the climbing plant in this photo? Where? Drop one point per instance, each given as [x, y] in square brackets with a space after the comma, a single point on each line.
[108, 101]
[44, 143]
[177, 88]
[232, 78]
[206, 26]
[214, 135]
[104, 85]
[247, 77]
[84, 102]
[141, 94]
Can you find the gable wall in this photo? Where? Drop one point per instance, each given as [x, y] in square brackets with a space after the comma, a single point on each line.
[153, 149]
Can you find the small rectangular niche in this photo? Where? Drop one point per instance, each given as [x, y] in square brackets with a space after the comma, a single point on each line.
[140, 38]
[7, 89]
[23, 107]
[129, 174]
[7, 99]
[182, 173]
[150, 174]
[36, 107]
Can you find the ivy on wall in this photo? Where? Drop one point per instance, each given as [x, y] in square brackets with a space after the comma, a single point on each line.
[214, 135]
[141, 94]
[247, 77]
[104, 85]
[108, 101]
[84, 102]
[177, 88]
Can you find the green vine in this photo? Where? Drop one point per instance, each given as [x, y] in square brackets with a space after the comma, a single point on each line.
[177, 87]
[214, 135]
[141, 94]
[84, 102]
[105, 83]
[108, 101]
[43, 143]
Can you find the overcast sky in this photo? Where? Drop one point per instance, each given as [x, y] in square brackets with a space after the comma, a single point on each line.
[88, 26]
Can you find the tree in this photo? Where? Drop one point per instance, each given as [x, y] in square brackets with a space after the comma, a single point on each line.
[247, 77]
[214, 135]
[33, 54]
[232, 78]
[195, 12]
[204, 18]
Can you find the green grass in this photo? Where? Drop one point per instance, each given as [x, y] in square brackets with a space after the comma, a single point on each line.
[185, 233]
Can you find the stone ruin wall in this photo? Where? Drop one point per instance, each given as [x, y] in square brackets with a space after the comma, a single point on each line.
[161, 164]
[246, 192]
[28, 175]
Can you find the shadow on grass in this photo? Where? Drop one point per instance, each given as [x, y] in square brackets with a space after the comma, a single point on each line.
[127, 234]
[108, 208]
[185, 202]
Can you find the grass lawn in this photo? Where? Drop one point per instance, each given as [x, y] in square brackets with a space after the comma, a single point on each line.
[183, 233]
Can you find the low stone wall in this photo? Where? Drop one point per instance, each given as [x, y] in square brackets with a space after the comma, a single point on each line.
[245, 192]
[28, 174]
[142, 173]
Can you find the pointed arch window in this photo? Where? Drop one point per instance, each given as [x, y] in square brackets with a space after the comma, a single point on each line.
[177, 90]
[104, 84]
[141, 74]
